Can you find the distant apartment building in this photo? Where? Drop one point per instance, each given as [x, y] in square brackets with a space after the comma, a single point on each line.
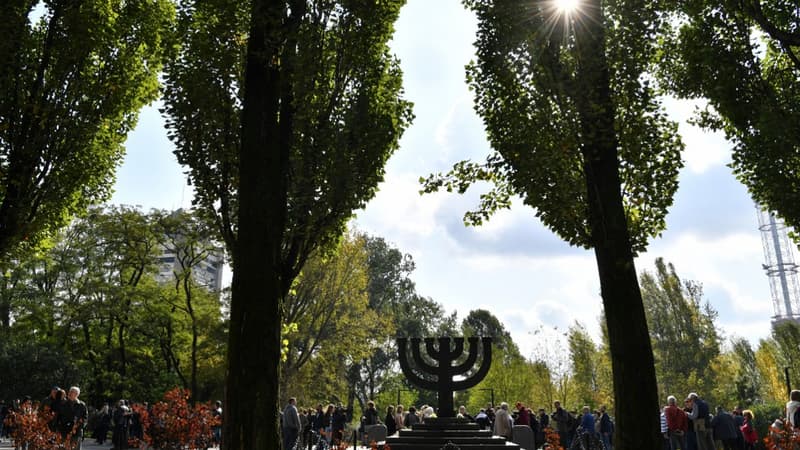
[207, 272]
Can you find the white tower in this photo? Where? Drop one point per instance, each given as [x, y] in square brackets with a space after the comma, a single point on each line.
[780, 266]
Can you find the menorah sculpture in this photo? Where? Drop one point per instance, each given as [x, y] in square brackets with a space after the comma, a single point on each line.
[440, 378]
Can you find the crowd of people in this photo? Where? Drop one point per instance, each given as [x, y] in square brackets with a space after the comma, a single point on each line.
[68, 417]
[312, 428]
[693, 426]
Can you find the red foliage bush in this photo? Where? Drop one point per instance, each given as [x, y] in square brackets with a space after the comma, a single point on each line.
[30, 428]
[781, 439]
[173, 424]
[552, 438]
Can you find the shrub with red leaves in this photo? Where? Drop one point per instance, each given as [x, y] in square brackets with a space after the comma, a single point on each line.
[781, 439]
[552, 438]
[173, 424]
[30, 428]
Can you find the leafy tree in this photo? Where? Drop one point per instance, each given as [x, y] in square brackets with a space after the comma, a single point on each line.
[579, 134]
[584, 356]
[682, 331]
[741, 56]
[186, 235]
[787, 337]
[71, 85]
[91, 304]
[480, 322]
[335, 326]
[748, 380]
[392, 294]
[319, 98]
[770, 363]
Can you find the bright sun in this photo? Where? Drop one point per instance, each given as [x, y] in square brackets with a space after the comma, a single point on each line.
[567, 6]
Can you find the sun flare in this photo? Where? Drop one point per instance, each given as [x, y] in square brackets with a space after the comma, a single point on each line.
[567, 6]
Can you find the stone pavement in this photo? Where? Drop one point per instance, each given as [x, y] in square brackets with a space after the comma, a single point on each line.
[88, 444]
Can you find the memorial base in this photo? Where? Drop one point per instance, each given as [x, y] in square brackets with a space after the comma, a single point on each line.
[450, 434]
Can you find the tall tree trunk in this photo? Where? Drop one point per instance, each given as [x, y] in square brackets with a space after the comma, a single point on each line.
[251, 413]
[187, 290]
[635, 390]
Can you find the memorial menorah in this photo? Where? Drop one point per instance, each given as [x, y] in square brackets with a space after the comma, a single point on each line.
[441, 377]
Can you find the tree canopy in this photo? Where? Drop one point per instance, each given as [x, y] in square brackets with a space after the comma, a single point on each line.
[741, 57]
[71, 86]
[579, 133]
[306, 109]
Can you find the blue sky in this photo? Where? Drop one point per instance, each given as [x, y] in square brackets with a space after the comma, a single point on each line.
[512, 266]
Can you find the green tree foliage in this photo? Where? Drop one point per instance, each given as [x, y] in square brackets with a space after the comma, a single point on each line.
[787, 337]
[186, 235]
[393, 296]
[741, 56]
[71, 86]
[748, 380]
[336, 328]
[482, 323]
[579, 133]
[684, 338]
[91, 307]
[769, 362]
[584, 356]
[319, 97]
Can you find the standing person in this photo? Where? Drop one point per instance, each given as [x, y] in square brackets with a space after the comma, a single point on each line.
[391, 425]
[411, 418]
[76, 413]
[793, 411]
[291, 424]
[748, 431]
[702, 426]
[677, 424]
[3, 415]
[503, 425]
[587, 430]
[371, 415]
[724, 428]
[47, 404]
[338, 422]
[326, 424]
[463, 414]
[739, 420]
[217, 429]
[561, 418]
[544, 423]
[103, 424]
[398, 418]
[482, 420]
[119, 438]
[523, 416]
[606, 428]
[691, 437]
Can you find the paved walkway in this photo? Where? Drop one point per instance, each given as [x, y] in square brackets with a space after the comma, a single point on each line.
[87, 445]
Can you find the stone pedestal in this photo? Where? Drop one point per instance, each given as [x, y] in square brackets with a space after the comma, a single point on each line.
[435, 434]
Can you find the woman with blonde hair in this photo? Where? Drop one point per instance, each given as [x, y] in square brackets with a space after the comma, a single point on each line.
[398, 417]
[748, 430]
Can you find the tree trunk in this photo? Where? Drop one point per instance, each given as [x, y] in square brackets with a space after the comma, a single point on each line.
[635, 390]
[251, 412]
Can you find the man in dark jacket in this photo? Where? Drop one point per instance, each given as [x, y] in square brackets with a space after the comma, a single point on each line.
[76, 415]
[606, 427]
[724, 427]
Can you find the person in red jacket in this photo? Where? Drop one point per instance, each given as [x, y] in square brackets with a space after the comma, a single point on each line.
[676, 424]
[748, 431]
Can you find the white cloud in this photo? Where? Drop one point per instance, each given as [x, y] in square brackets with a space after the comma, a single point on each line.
[398, 208]
[704, 149]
